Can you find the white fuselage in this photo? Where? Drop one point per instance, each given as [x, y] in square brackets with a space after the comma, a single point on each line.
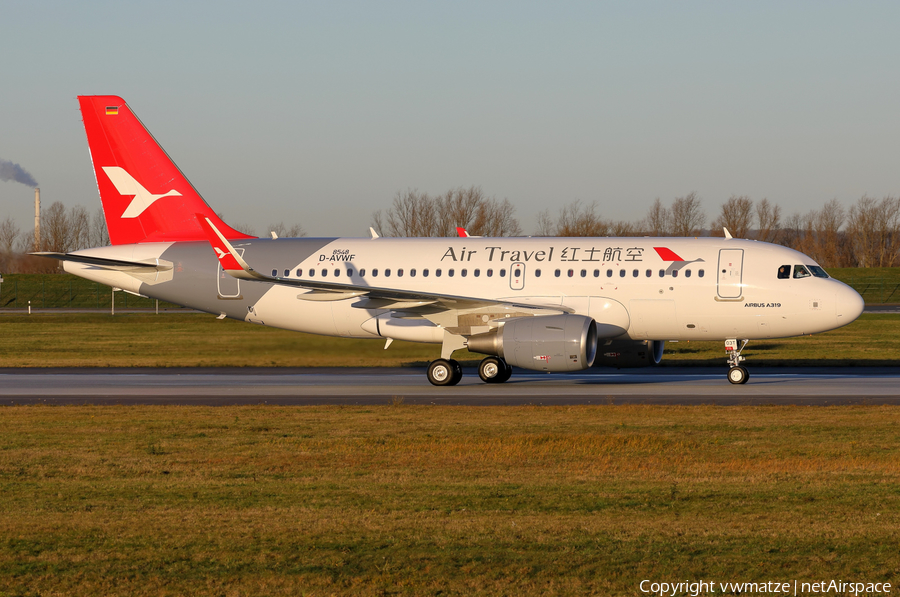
[647, 288]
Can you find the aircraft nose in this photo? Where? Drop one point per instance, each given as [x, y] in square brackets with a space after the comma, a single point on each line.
[848, 305]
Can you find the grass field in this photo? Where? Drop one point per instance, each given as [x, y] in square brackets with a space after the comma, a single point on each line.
[404, 500]
[188, 340]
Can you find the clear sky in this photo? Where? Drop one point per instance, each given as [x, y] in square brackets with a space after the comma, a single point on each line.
[318, 113]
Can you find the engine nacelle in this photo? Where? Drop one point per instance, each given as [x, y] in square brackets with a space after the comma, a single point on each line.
[545, 343]
[625, 354]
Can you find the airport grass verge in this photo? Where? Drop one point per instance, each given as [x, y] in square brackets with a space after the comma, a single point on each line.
[425, 500]
[200, 340]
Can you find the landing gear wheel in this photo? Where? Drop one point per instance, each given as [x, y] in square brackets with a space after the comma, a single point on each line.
[738, 375]
[507, 372]
[457, 372]
[442, 373]
[492, 370]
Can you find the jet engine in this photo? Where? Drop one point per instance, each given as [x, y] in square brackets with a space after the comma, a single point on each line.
[626, 354]
[545, 343]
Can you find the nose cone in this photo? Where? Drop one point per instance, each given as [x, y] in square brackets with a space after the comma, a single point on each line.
[848, 305]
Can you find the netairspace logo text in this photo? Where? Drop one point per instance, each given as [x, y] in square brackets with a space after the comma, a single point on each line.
[708, 587]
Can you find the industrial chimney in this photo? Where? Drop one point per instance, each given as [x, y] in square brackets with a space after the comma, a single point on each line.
[37, 219]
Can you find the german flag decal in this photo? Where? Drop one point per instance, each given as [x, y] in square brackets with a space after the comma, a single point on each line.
[112, 110]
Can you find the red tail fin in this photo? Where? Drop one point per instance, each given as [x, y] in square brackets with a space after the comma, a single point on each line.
[145, 196]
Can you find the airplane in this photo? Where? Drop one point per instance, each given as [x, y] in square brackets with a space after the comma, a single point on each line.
[543, 304]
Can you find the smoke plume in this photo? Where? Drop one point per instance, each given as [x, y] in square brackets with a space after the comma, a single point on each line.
[15, 173]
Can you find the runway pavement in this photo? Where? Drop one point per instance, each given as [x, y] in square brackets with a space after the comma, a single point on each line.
[663, 385]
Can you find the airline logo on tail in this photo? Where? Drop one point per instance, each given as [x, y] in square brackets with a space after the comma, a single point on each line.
[126, 185]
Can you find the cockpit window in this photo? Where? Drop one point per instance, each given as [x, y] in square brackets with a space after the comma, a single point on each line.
[784, 272]
[818, 271]
[800, 271]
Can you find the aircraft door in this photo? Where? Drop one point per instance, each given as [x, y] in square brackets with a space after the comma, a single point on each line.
[731, 263]
[517, 276]
[229, 287]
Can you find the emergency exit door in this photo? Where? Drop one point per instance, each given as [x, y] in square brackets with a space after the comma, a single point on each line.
[731, 263]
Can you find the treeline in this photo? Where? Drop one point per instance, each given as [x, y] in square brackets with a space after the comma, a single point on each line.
[865, 235]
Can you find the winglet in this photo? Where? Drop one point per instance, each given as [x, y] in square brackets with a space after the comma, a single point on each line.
[461, 232]
[231, 262]
[727, 234]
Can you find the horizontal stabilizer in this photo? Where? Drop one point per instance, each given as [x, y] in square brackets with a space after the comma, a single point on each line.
[117, 264]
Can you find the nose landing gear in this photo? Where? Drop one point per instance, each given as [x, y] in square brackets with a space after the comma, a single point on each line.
[736, 373]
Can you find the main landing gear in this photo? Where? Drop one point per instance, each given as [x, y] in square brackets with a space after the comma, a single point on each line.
[447, 372]
[736, 373]
[494, 370]
[444, 372]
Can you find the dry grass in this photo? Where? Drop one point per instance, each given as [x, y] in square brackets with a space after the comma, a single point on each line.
[401, 499]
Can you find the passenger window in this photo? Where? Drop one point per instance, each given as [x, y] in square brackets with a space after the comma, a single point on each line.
[674, 273]
[621, 273]
[337, 273]
[687, 273]
[556, 273]
[324, 273]
[477, 272]
[463, 272]
[609, 273]
[374, 272]
[362, 273]
[801, 272]
[400, 272]
[584, 273]
[425, 273]
[502, 273]
[287, 273]
[596, 273]
[299, 273]
[662, 273]
[437, 272]
[571, 273]
[312, 273]
[349, 273]
[635, 274]
[450, 272]
[412, 273]
[490, 273]
[784, 272]
[387, 273]
[649, 272]
[700, 273]
[517, 273]
[274, 273]
[537, 273]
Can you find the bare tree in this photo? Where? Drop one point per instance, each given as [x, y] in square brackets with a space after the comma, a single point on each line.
[99, 232]
[415, 214]
[80, 228]
[622, 228]
[687, 215]
[768, 221]
[282, 231]
[873, 230]
[736, 216]
[9, 235]
[659, 220]
[577, 220]
[56, 235]
[545, 225]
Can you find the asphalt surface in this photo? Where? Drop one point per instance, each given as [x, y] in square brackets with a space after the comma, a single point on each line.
[662, 385]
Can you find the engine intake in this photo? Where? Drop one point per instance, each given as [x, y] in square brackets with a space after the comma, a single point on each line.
[544, 343]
